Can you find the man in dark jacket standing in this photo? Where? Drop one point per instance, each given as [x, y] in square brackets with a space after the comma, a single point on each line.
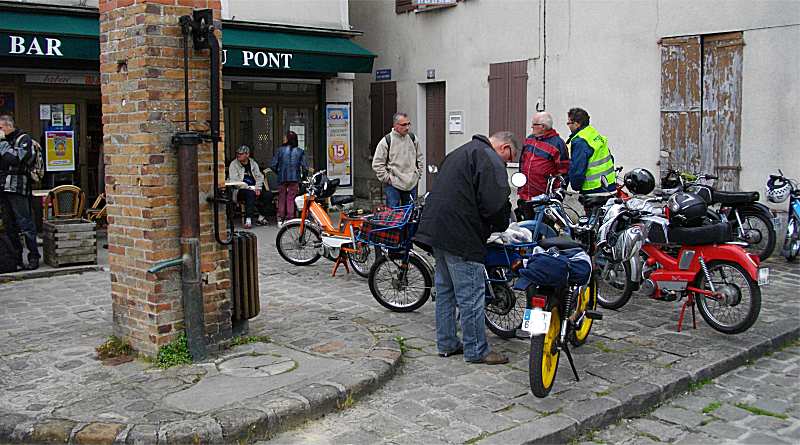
[16, 186]
[470, 203]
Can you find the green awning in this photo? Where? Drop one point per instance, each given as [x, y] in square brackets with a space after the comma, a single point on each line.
[272, 50]
[49, 36]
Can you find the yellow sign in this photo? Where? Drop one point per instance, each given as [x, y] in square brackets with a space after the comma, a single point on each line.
[69, 109]
[60, 155]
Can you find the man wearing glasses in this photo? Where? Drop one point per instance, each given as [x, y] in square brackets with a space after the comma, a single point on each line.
[544, 154]
[591, 167]
[398, 162]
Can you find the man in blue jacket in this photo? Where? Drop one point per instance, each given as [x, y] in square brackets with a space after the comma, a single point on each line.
[591, 165]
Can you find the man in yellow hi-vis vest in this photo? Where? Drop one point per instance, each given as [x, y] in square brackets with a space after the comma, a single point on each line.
[591, 165]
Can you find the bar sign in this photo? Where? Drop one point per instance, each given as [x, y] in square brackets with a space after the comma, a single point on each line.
[384, 74]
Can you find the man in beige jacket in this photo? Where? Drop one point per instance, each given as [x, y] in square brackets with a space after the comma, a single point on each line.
[398, 162]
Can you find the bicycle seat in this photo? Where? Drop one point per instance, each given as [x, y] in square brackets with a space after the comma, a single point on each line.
[341, 199]
[694, 236]
[733, 198]
[592, 201]
[559, 243]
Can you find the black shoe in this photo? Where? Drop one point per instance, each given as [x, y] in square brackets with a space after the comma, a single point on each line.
[32, 265]
[458, 351]
[493, 358]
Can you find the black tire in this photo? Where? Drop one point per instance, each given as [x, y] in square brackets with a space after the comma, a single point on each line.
[504, 314]
[386, 286]
[542, 357]
[363, 259]
[759, 232]
[289, 236]
[588, 299]
[615, 285]
[733, 317]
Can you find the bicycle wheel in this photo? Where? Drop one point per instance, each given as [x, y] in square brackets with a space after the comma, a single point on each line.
[587, 300]
[737, 300]
[362, 259]
[791, 245]
[615, 284]
[399, 286]
[505, 311]
[543, 362]
[759, 234]
[300, 251]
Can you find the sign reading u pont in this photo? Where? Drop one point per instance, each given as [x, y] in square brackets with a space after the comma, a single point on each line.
[260, 59]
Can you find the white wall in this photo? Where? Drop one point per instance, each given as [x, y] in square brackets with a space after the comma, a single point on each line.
[313, 13]
[602, 55]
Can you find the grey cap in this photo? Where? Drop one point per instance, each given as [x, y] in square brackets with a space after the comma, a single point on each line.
[243, 149]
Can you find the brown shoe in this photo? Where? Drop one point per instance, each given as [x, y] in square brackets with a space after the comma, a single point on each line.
[493, 358]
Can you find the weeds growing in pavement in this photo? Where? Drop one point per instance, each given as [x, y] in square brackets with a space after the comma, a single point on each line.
[237, 341]
[694, 386]
[711, 407]
[402, 342]
[113, 347]
[760, 412]
[174, 353]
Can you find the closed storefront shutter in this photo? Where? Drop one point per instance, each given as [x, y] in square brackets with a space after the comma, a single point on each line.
[508, 97]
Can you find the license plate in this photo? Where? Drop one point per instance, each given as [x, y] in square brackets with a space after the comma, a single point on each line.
[536, 321]
[763, 276]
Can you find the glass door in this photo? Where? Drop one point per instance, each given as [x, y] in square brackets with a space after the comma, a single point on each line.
[256, 130]
[60, 128]
[301, 121]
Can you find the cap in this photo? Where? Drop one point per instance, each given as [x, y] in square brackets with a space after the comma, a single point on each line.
[243, 149]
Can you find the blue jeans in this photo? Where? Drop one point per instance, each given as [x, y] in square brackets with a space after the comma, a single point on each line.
[460, 283]
[18, 220]
[396, 197]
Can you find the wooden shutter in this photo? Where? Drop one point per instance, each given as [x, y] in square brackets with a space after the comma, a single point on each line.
[402, 6]
[434, 128]
[508, 97]
[722, 108]
[383, 105]
[680, 103]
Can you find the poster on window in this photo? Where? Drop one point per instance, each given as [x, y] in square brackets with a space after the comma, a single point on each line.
[339, 142]
[60, 154]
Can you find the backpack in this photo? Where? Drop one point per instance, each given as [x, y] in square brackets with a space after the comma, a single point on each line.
[388, 139]
[36, 166]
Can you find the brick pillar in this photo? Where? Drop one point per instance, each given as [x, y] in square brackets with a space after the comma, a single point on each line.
[141, 65]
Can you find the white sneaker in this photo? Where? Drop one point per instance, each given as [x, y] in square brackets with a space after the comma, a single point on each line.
[248, 223]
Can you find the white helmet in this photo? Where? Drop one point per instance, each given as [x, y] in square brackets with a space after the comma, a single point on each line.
[778, 189]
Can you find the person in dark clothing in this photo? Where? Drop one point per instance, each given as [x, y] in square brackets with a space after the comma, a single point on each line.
[16, 186]
[289, 163]
[469, 203]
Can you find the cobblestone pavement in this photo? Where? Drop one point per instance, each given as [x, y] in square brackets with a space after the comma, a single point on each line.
[49, 327]
[631, 356]
[756, 404]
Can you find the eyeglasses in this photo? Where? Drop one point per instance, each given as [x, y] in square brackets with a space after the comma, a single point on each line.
[405, 124]
[570, 122]
[538, 125]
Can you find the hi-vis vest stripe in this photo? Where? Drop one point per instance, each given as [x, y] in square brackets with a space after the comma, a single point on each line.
[601, 165]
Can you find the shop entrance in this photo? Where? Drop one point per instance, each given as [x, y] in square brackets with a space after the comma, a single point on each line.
[258, 114]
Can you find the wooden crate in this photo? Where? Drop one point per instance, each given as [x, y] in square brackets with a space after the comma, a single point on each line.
[72, 241]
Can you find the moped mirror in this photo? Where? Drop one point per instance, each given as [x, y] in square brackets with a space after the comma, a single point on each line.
[519, 179]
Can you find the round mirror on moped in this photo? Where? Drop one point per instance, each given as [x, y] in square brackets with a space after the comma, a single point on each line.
[519, 179]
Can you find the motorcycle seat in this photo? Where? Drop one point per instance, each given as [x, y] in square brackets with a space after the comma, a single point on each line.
[733, 198]
[341, 199]
[708, 234]
[591, 201]
[559, 243]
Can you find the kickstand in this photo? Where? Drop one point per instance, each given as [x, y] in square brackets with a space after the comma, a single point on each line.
[571, 363]
[689, 302]
[340, 260]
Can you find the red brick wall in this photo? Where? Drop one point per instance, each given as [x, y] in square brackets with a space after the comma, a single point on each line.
[141, 66]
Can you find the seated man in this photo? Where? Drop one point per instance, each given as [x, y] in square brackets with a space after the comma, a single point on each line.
[246, 170]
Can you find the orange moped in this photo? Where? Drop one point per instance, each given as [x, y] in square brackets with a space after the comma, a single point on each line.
[302, 241]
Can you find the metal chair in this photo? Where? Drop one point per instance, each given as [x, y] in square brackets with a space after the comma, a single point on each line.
[67, 202]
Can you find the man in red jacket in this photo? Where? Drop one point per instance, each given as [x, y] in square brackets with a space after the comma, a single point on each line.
[543, 154]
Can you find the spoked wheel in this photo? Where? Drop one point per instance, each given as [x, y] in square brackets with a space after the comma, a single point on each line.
[791, 246]
[362, 259]
[735, 305]
[505, 311]
[298, 250]
[399, 286]
[587, 300]
[615, 282]
[759, 234]
[543, 361]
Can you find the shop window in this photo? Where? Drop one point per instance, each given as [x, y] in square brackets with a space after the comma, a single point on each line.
[265, 86]
[7, 103]
[256, 126]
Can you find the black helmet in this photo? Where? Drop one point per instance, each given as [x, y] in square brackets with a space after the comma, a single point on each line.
[640, 181]
[686, 209]
[670, 181]
[702, 191]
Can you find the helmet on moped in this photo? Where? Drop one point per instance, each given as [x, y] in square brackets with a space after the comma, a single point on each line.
[778, 189]
[686, 209]
[640, 181]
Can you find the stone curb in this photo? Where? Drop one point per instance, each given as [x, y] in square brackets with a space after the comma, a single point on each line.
[46, 273]
[244, 422]
[637, 397]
